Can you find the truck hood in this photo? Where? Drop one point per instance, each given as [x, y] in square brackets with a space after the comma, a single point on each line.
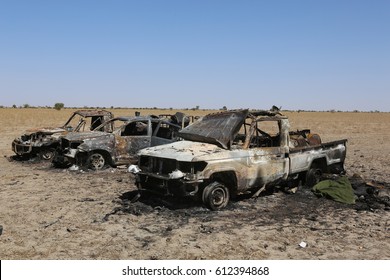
[44, 130]
[218, 128]
[183, 151]
[81, 136]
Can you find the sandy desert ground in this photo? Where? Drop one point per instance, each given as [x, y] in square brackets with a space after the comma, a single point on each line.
[49, 213]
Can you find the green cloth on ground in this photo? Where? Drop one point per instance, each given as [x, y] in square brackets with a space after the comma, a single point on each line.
[339, 190]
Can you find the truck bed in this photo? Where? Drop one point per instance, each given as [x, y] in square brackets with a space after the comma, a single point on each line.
[329, 153]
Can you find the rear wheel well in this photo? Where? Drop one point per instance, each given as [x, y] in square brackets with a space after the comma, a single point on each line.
[319, 163]
[336, 168]
[313, 175]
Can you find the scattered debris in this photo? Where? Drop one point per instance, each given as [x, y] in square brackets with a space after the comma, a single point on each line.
[133, 169]
[74, 167]
[52, 223]
[303, 244]
[87, 199]
[205, 229]
[370, 195]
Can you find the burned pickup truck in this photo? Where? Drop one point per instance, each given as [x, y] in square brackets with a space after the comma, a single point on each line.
[234, 152]
[97, 149]
[43, 142]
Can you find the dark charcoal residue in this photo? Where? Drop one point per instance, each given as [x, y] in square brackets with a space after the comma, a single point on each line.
[267, 209]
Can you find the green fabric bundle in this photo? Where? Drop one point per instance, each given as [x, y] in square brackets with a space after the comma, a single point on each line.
[339, 190]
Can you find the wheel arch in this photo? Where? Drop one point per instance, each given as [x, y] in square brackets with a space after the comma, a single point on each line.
[228, 178]
[320, 163]
[107, 156]
[314, 173]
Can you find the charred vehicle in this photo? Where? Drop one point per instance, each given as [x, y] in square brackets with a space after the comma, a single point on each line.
[179, 118]
[234, 152]
[97, 149]
[45, 141]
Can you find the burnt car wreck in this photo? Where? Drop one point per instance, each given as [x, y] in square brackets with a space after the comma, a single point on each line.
[44, 142]
[98, 149]
[228, 153]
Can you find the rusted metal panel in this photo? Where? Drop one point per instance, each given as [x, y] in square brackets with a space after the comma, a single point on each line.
[33, 141]
[123, 143]
[251, 166]
[218, 128]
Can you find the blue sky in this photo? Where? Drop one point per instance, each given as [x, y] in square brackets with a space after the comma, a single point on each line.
[310, 55]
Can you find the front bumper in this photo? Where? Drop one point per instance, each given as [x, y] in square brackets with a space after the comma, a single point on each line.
[20, 148]
[163, 185]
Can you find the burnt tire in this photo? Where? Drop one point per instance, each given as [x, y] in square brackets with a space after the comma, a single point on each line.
[313, 177]
[96, 161]
[216, 196]
[47, 154]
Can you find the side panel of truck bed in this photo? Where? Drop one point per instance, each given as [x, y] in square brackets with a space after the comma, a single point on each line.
[302, 158]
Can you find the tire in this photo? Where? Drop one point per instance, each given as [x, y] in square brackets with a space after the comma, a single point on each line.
[313, 176]
[60, 161]
[96, 161]
[47, 154]
[216, 196]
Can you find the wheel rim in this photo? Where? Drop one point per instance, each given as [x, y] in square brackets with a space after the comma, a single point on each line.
[314, 177]
[96, 161]
[47, 154]
[215, 196]
[218, 197]
[317, 176]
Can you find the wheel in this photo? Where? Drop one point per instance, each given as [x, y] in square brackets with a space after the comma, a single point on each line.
[47, 154]
[96, 161]
[313, 176]
[215, 196]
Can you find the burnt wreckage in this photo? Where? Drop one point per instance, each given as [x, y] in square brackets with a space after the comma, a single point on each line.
[228, 153]
[44, 142]
[97, 149]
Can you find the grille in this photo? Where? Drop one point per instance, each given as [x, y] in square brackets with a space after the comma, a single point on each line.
[158, 165]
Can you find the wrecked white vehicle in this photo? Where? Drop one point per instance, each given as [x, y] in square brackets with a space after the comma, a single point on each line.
[43, 142]
[234, 152]
[98, 149]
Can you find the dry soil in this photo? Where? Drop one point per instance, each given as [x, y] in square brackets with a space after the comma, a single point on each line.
[49, 213]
